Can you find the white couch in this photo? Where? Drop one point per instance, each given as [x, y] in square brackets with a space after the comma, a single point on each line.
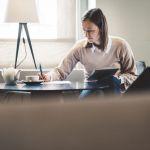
[76, 74]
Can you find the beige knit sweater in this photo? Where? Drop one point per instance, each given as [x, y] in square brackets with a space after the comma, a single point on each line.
[117, 54]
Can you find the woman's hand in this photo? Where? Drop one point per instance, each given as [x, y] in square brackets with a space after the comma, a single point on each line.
[44, 77]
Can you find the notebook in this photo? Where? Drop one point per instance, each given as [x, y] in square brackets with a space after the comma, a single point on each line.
[103, 74]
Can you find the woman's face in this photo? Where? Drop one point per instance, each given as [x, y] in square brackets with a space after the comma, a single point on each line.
[91, 31]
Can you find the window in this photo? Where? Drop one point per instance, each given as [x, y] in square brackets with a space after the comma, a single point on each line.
[57, 21]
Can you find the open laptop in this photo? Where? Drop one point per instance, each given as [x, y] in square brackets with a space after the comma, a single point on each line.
[141, 84]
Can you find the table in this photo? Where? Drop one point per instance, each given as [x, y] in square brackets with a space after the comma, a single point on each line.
[55, 88]
[52, 86]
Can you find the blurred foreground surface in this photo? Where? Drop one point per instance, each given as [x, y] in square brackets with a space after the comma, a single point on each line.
[118, 123]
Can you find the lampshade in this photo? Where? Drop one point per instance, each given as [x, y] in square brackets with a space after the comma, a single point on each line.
[23, 11]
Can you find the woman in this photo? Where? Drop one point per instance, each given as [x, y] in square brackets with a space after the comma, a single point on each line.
[97, 51]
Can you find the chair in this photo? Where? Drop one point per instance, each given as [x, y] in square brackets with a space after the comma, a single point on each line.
[141, 84]
[140, 65]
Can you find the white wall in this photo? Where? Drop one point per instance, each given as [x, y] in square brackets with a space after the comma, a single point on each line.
[48, 53]
[130, 19]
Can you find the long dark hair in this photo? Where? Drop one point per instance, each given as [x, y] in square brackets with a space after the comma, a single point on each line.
[97, 17]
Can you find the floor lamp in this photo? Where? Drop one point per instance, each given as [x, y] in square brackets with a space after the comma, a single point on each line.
[23, 12]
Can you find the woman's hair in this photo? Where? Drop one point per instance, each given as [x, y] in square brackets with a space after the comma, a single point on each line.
[97, 17]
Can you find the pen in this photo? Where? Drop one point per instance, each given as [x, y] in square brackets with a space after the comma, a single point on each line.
[41, 70]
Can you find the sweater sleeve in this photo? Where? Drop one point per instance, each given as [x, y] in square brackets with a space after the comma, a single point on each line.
[128, 71]
[66, 65]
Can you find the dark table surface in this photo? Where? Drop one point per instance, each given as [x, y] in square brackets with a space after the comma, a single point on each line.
[53, 86]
